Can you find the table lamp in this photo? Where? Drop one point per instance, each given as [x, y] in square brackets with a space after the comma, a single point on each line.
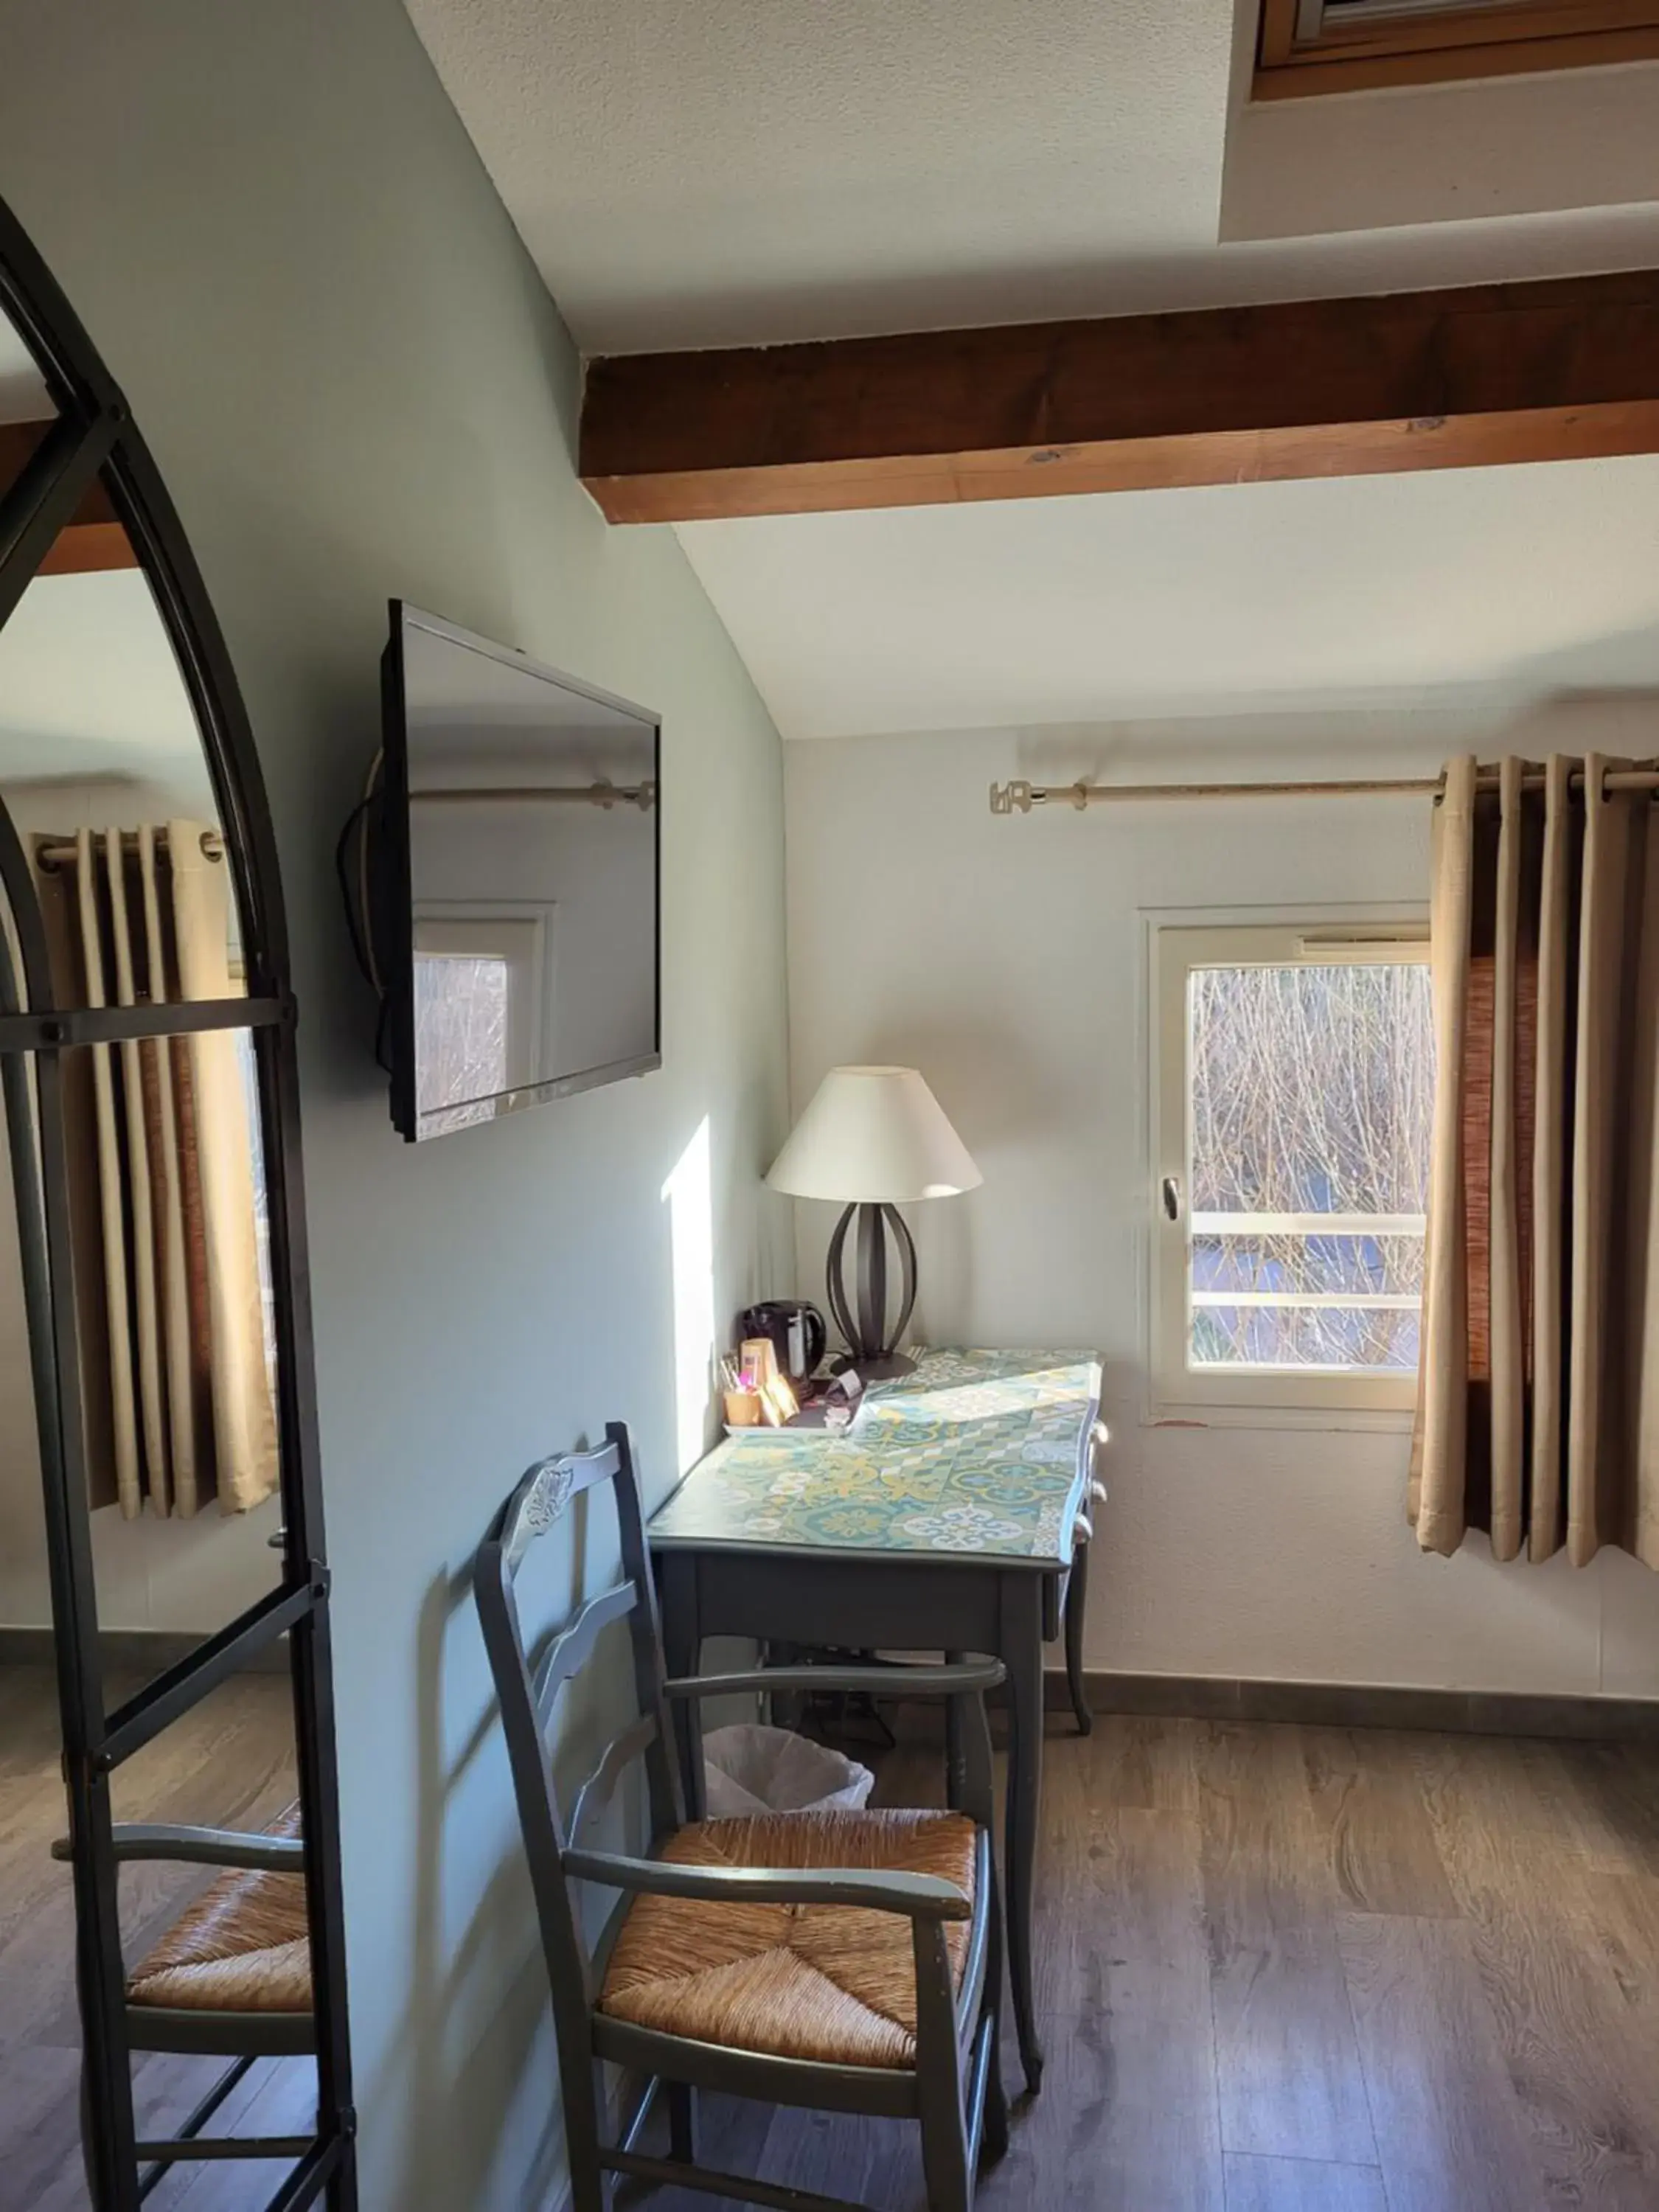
[874, 1137]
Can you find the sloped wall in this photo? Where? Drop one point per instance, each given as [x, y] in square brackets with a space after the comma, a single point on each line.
[357, 386]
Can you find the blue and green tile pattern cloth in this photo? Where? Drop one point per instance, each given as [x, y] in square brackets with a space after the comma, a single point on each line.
[976, 1453]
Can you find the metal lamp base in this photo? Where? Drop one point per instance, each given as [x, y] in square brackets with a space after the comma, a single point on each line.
[862, 1315]
[882, 1369]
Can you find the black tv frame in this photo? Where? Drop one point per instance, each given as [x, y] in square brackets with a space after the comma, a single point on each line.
[393, 895]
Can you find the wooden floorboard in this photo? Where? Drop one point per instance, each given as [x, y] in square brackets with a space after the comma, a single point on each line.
[1572, 2017]
[1301, 2185]
[1281, 1969]
[1375, 1834]
[1289, 2078]
[1450, 2134]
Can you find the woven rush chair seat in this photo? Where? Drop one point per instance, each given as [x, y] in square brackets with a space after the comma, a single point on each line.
[244, 1946]
[829, 1983]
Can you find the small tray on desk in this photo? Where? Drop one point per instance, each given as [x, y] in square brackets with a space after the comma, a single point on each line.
[809, 1421]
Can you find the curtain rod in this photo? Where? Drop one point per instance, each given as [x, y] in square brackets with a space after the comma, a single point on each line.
[1020, 797]
[60, 852]
[603, 793]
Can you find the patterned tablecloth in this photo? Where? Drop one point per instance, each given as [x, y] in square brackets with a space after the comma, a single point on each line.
[977, 1452]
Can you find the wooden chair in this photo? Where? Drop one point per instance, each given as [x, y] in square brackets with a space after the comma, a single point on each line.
[850, 1961]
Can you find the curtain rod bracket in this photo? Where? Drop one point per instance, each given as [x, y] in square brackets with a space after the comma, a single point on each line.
[1020, 797]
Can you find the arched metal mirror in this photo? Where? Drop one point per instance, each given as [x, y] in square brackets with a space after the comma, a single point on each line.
[176, 2004]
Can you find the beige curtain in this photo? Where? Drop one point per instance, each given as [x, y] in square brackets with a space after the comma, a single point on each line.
[1538, 1413]
[160, 1138]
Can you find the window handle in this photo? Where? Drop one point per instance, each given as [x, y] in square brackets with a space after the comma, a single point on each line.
[1171, 1199]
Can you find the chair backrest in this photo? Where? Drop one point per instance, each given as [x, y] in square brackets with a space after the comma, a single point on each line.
[527, 1693]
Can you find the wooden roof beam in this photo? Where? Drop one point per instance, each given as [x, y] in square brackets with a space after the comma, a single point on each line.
[1561, 370]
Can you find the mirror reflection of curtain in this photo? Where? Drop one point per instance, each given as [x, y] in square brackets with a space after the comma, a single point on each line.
[176, 1384]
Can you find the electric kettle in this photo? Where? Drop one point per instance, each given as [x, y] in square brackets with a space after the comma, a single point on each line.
[795, 1330]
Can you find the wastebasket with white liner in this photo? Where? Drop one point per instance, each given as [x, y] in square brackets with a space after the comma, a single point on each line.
[749, 1768]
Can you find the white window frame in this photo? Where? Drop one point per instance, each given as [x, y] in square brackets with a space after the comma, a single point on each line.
[1176, 946]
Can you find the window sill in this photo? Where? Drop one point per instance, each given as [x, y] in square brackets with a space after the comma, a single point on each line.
[1388, 1420]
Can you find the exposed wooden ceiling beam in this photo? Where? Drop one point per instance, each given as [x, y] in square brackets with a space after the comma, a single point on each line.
[1556, 371]
[96, 539]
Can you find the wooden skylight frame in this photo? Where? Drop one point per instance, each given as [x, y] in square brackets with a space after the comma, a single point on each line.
[1309, 47]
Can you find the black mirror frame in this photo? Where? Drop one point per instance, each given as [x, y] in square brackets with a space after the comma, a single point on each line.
[94, 433]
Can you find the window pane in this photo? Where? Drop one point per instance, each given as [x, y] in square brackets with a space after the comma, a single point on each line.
[1311, 1110]
[1312, 1089]
[1346, 1339]
[1302, 1266]
[461, 1036]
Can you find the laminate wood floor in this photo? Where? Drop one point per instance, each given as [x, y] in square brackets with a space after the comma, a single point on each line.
[1290, 1969]
[1281, 1969]
[230, 1762]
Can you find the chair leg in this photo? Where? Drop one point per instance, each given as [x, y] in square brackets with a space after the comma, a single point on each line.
[941, 2105]
[945, 2162]
[682, 2123]
[590, 2185]
[994, 2132]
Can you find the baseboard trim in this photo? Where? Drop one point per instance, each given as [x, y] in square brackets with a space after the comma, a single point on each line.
[143, 1651]
[1363, 1704]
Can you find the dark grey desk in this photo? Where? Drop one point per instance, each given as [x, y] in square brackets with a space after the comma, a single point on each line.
[950, 1519]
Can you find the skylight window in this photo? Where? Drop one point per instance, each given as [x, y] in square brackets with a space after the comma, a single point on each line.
[1346, 45]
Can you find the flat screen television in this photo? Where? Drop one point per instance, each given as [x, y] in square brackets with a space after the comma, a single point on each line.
[516, 871]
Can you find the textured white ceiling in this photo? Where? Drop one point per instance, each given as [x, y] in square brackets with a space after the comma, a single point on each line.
[1517, 581]
[718, 172]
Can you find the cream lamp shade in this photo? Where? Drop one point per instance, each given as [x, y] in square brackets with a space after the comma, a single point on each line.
[873, 1138]
[875, 1135]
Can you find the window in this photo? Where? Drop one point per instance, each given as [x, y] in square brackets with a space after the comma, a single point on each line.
[1295, 1070]
[1344, 46]
[481, 981]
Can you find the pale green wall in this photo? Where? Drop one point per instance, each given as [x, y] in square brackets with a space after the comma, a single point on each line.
[276, 231]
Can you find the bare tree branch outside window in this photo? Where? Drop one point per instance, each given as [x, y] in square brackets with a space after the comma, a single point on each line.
[1311, 1099]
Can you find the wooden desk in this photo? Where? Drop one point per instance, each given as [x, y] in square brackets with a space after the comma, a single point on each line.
[947, 1521]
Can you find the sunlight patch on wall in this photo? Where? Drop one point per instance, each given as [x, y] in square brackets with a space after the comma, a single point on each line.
[689, 1196]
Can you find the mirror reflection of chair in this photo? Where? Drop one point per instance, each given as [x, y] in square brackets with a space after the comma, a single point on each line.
[231, 1978]
[850, 1961]
[254, 1967]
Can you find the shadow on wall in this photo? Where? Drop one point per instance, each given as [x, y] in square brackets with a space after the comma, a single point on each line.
[1248, 745]
[1625, 723]
[447, 1968]
[477, 2037]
